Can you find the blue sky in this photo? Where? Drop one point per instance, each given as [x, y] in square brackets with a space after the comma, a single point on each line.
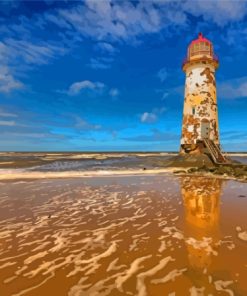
[106, 75]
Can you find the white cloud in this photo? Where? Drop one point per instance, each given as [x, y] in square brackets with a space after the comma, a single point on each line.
[162, 74]
[97, 88]
[159, 111]
[235, 37]
[218, 11]
[105, 47]
[120, 20]
[6, 114]
[7, 123]
[14, 53]
[114, 92]
[155, 136]
[7, 82]
[23, 135]
[82, 124]
[77, 87]
[233, 89]
[107, 22]
[147, 117]
[35, 53]
[151, 117]
[100, 63]
[164, 96]
[176, 90]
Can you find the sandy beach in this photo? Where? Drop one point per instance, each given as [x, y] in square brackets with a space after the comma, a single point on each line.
[123, 235]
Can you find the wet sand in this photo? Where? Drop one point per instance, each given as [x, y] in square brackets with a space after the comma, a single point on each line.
[123, 235]
[19, 174]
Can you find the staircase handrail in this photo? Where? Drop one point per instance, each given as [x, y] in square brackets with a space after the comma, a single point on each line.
[208, 145]
[215, 151]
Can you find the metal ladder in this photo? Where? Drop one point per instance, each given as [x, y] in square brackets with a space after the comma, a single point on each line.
[215, 152]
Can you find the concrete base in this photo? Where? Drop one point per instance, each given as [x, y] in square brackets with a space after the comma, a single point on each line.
[191, 160]
[197, 148]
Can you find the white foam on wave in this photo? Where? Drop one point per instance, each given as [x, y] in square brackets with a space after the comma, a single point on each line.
[170, 276]
[33, 287]
[34, 257]
[162, 247]
[222, 286]
[6, 233]
[241, 234]
[100, 288]
[134, 268]
[43, 267]
[93, 263]
[22, 174]
[205, 244]
[195, 291]
[140, 285]
[113, 265]
[144, 225]
[172, 231]
[7, 264]
[93, 235]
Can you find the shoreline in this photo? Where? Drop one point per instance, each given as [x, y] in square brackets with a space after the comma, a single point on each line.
[19, 160]
[74, 167]
[12, 175]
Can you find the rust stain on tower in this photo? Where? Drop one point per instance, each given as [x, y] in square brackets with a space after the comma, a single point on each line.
[200, 130]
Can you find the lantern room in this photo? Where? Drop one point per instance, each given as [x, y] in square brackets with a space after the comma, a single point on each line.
[200, 46]
[200, 49]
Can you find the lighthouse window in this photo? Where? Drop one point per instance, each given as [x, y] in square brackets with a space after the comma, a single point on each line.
[193, 110]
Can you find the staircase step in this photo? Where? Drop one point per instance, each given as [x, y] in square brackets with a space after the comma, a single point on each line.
[214, 151]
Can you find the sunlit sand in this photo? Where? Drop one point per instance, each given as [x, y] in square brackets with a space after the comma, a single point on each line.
[123, 235]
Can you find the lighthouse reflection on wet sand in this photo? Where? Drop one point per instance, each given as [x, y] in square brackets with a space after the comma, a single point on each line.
[200, 114]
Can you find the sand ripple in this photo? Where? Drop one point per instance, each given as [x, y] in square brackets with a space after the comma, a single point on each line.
[103, 239]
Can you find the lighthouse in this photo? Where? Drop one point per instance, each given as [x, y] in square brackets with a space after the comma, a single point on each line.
[200, 130]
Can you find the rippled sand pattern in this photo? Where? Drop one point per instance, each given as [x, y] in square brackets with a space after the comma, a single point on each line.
[123, 236]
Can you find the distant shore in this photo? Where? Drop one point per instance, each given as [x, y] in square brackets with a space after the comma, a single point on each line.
[16, 174]
[24, 166]
[31, 159]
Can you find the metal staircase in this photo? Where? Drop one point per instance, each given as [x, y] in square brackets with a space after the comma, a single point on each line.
[215, 152]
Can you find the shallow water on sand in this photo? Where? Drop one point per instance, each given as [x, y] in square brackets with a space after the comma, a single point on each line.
[132, 235]
[64, 161]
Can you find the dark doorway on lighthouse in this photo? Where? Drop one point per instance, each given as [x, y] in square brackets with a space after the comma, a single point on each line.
[205, 129]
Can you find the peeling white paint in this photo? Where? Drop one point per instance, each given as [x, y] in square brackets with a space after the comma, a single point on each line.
[200, 95]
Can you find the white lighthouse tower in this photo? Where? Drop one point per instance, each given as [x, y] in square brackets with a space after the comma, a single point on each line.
[200, 132]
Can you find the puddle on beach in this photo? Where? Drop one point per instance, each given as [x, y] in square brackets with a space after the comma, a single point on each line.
[139, 235]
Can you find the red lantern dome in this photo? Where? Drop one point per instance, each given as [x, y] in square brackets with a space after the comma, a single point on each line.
[200, 49]
[200, 46]
[200, 38]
